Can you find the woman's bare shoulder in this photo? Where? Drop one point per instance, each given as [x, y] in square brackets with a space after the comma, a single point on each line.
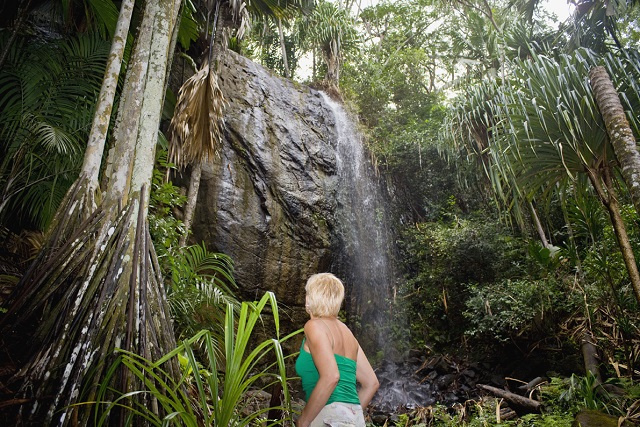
[345, 328]
[313, 325]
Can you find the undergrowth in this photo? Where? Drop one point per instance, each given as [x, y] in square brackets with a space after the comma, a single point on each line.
[562, 399]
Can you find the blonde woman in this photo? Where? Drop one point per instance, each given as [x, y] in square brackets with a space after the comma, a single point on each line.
[331, 361]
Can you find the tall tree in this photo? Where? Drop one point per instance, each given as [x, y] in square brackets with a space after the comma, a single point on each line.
[548, 130]
[330, 29]
[618, 129]
[102, 115]
[96, 286]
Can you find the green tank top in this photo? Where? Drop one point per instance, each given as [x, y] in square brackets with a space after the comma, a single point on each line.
[344, 392]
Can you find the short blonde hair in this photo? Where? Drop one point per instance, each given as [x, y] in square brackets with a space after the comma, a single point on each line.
[325, 293]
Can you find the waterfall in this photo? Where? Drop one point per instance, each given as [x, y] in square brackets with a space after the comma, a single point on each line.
[363, 236]
[363, 260]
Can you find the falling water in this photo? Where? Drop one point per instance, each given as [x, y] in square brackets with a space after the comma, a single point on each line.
[363, 235]
[364, 246]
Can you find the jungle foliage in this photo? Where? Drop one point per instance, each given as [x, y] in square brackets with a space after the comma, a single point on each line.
[480, 114]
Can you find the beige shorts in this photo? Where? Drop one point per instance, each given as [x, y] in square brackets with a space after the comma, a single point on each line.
[339, 414]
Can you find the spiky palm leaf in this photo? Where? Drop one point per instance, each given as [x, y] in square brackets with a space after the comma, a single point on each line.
[553, 131]
[326, 24]
[330, 29]
[595, 24]
[276, 9]
[539, 130]
[196, 262]
[556, 126]
[99, 14]
[469, 130]
[220, 383]
[202, 285]
[624, 69]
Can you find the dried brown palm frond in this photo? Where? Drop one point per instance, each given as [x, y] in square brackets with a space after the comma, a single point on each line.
[197, 124]
[241, 17]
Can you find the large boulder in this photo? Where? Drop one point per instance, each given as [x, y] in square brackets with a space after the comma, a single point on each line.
[268, 200]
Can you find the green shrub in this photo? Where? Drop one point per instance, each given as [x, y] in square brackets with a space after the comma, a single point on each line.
[199, 283]
[164, 227]
[212, 389]
[513, 309]
[545, 420]
[440, 259]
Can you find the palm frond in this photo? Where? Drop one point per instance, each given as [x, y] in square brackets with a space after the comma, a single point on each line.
[202, 286]
[189, 28]
[47, 93]
[197, 125]
[326, 24]
[197, 262]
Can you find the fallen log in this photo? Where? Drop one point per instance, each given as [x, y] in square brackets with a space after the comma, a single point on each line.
[519, 403]
[532, 384]
[507, 414]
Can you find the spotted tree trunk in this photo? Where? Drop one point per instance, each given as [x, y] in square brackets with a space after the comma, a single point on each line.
[620, 133]
[99, 289]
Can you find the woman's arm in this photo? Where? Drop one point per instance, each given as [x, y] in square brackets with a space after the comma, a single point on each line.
[367, 378]
[322, 354]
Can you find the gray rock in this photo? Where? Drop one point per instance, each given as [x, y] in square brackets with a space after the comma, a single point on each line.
[443, 382]
[268, 200]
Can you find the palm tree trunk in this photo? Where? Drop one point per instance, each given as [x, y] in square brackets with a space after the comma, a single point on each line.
[313, 64]
[160, 55]
[283, 50]
[120, 165]
[609, 200]
[331, 57]
[620, 133]
[101, 288]
[538, 224]
[102, 115]
[192, 198]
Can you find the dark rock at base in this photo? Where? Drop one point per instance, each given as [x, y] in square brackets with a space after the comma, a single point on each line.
[450, 398]
[432, 375]
[590, 418]
[445, 381]
[379, 419]
[415, 356]
[497, 380]
[470, 373]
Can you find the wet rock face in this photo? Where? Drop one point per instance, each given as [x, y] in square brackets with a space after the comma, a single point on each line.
[268, 199]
